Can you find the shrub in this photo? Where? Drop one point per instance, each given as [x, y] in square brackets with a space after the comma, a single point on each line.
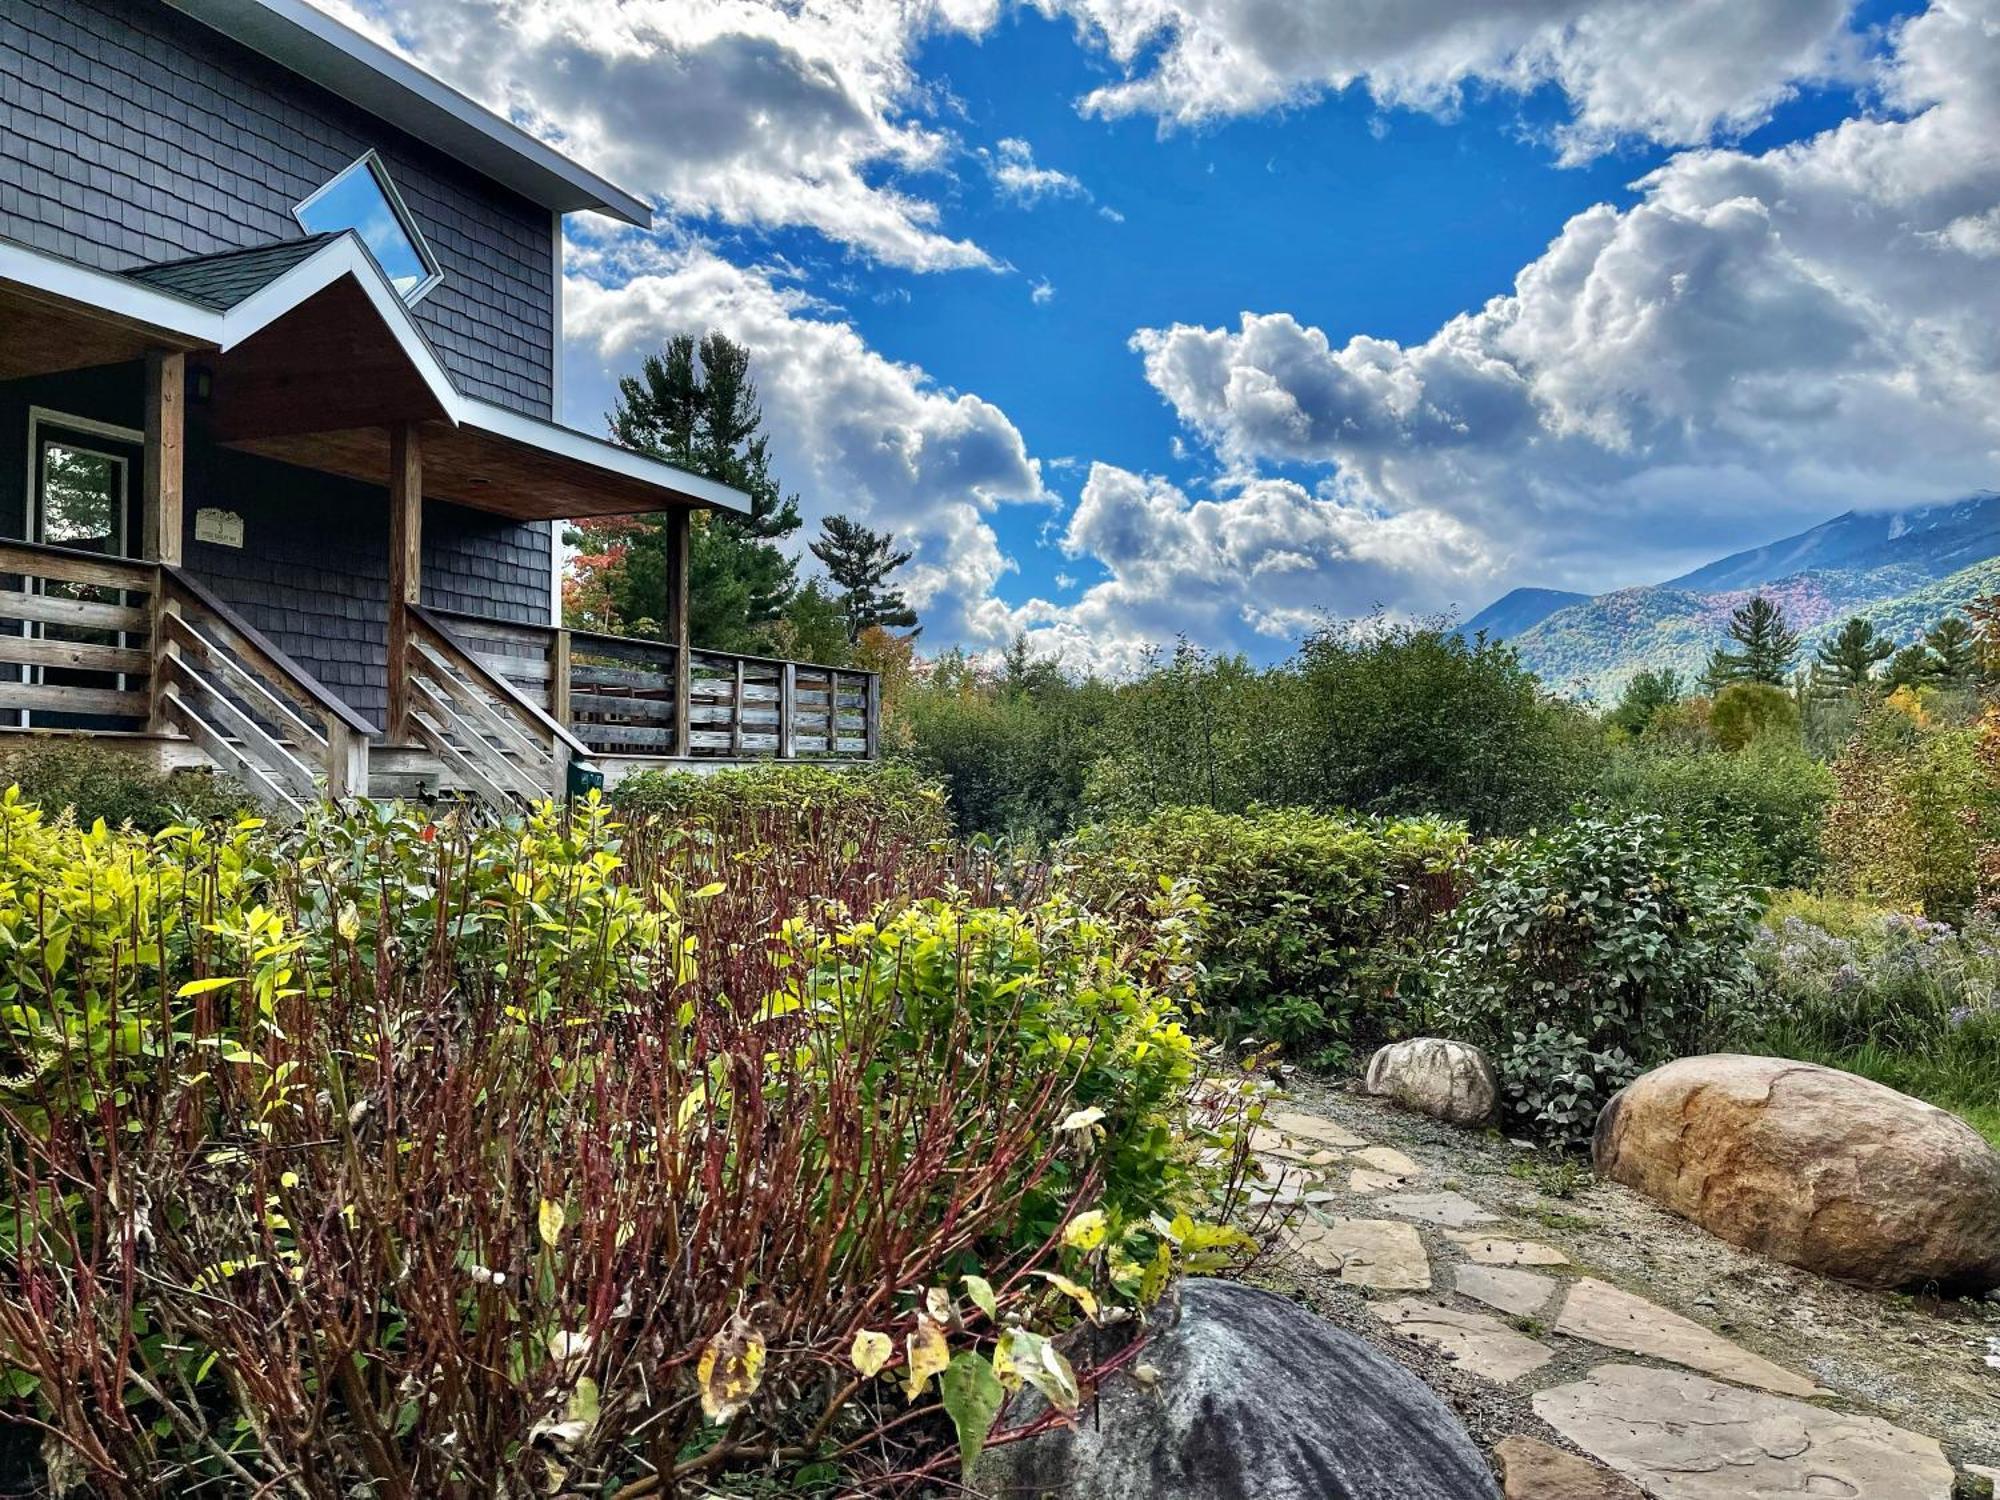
[1911, 806]
[1908, 1001]
[93, 781]
[1317, 924]
[895, 798]
[1745, 712]
[1767, 803]
[1583, 956]
[419, 1157]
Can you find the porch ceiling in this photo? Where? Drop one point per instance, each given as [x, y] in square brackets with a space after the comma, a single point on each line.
[47, 335]
[482, 470]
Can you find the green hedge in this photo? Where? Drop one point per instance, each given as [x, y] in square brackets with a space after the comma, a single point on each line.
[93, 781]
[898, 796]
[1317, 925]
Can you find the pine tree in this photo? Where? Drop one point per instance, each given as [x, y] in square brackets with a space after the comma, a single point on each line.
[859, 561]
[1770, 646]
[695, 406]
[1846, 661]
[1952, 642]
[1911, 667]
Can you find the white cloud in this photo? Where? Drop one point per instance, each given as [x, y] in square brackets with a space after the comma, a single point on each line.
[1676, 73]
[851, 430]
[770, 115]
[1019, 177]
[1041, 293]
[1776, 335]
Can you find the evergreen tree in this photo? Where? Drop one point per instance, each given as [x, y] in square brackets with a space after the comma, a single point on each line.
[1769, 647]
[1846, 661]
[1911, 667]
[695, 406]
[1645, 695]
[1956, 649]
[860, 561]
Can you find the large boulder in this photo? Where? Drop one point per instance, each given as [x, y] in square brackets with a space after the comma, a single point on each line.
[1451, 1081]
[1249, 1397]
[1811, 1166]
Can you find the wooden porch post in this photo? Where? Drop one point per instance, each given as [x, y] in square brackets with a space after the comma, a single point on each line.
[160, 509]
[166, 419]
[406, 566]
[679, 537]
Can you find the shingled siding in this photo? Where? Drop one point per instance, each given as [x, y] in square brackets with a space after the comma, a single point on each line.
[313, 570]
[133, 134]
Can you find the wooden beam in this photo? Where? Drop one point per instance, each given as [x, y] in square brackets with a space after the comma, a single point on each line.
[406, 566]
[680, 527]
[166, 421]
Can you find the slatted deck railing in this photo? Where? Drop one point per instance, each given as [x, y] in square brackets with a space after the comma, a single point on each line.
[621, 695]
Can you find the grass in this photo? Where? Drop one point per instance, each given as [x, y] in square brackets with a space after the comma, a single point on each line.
[1967, 1086]
[1553, 1176]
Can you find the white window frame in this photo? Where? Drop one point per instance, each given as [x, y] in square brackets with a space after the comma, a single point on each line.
[371, 162]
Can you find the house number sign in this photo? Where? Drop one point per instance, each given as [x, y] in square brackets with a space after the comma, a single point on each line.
[222, 527]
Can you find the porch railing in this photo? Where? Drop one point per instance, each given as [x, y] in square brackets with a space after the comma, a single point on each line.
[621, 695]
[97, 643]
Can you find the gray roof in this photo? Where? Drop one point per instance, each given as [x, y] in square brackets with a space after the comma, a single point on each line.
[222, 280]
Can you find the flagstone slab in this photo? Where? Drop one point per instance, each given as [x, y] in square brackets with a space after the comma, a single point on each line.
[1378, 1253]
[1603, 1314]
[1447, 1210]
[1267, 1142]
[1521, 1293]
[1489, 1250]
[1477, 1341]
[1368, 1180]
[1313, 1128]
[1386, 1159]
[1685, 1437]
[1532, 1470]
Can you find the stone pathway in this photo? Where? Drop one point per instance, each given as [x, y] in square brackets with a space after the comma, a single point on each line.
[1696, 1417]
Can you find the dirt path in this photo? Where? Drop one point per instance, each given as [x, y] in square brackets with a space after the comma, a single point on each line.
[1929, 1366]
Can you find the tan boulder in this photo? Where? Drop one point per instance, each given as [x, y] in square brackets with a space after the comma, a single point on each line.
[1533, 1470]
[1452, 1081]
[1811, 1166]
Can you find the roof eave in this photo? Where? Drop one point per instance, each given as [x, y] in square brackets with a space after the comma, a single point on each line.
[314, 45]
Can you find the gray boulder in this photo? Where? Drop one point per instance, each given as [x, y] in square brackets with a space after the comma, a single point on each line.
[1452, 1081]
[1251, 1398]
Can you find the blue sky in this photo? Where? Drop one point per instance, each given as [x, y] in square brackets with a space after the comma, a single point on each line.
[1260, 379]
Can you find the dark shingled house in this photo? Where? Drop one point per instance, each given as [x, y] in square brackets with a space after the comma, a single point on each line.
[281, 481]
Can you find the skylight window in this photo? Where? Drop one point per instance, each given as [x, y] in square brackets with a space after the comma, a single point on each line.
[362, 198]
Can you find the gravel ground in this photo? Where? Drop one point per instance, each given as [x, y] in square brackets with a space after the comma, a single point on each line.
[1919, 1362]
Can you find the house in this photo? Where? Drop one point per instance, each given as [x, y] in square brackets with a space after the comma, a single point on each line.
[281, 472]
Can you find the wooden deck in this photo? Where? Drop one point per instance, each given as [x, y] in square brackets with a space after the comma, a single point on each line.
[143, 657]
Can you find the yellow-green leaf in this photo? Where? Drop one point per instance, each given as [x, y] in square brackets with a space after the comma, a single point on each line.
[202, 987]
[730, 1369]
[1085, 1231]
[549, 1220]
[980, 1290]
[1080, 1295]
[927, 1354]
[871, 1351]
[1082, 1119]
[972, 1396]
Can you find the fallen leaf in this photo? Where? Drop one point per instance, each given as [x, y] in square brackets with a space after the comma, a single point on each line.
[871, 1351]
[730, 1369]
[928, 1355]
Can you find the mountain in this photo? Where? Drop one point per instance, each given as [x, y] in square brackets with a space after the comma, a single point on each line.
[1520, 610]
[1902, 569]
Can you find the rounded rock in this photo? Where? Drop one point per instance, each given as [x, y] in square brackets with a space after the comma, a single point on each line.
[1450, 1081]
[1818, 1168]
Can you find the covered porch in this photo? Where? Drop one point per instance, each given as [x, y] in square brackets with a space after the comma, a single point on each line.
[322, 568]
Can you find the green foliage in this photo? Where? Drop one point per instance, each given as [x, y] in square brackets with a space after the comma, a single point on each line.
[1846, 661]
[1768, 646]
[1318, 925]
[93, 781]
[1746, 711]
[1014, 747]
[697, 408]
[611, 1144]
[1955, 650]
[813, 628]
[1646, 696]
[881, 796]
[1912, 806]
[1905, 1000]
[1581, 957]
[1766, 803]
[860, 562]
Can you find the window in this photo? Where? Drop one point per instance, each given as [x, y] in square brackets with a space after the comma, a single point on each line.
[362, 198]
